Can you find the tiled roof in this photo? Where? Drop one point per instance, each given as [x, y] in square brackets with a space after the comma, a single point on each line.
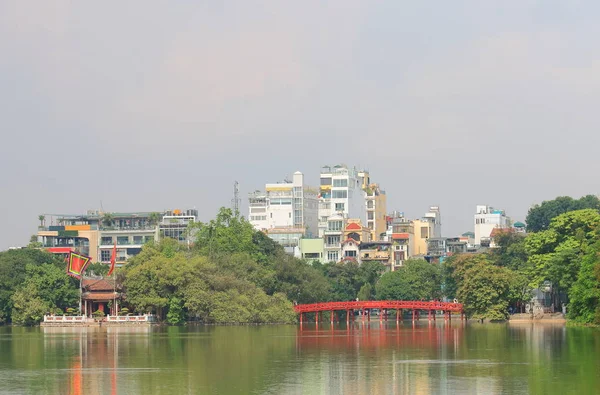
[98, 285]
[400, 236]
[353, 226]
[99, 295]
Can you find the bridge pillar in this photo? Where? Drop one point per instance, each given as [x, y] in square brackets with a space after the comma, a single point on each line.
[429, 315]
[301, 316]
[331, 314]
[413, 315]
[398, 315]
[317, 317]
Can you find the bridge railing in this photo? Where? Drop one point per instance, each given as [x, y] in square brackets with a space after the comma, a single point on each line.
[378, 304]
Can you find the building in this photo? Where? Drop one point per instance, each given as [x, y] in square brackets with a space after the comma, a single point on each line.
[487, 218]
[376, 251]
[332, 236]
[286, 211]
[312, 250]
[376, 210]
[95, 233]
[341, 194]
[429, 226]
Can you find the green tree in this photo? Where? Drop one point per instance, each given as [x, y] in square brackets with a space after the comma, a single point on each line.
[555, 254]
[483, 288]
[154, 218]
[584, 306]
[13, 265]
[28, 307]
[42, 219]
[108, 219]
[539, 217]
[417, 279]
[366, 292]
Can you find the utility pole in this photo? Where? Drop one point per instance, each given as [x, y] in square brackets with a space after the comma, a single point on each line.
[235, 202]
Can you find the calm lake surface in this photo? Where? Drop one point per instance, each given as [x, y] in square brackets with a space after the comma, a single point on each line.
[364, 358]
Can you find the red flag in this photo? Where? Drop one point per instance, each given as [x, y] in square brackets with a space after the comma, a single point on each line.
[76, 264]
[113, 259]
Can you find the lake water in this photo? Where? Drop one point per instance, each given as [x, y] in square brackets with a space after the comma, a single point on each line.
[364, 358]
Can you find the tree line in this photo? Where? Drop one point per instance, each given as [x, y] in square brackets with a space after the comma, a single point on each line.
[235, 274]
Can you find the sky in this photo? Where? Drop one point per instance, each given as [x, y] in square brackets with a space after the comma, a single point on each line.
[145, 106]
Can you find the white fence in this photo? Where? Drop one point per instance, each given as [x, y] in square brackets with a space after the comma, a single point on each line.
[72, 319]
[130, 318]
[81, 319]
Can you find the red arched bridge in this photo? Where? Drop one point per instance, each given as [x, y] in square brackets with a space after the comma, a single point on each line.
[383, 305]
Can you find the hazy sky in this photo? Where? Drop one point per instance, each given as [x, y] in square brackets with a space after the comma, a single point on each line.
[156, 105]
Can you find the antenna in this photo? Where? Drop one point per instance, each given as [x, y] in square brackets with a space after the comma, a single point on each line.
[235, 202]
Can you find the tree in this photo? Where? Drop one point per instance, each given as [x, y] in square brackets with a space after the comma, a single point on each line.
[108, 219]
[584, 306]
[154, 218]
[28, 307]
[555, 254]
[366, 292]
[97, 269]
[13, 274]
[485, 291]
[42, 219]
[539, 217]
[417, 279]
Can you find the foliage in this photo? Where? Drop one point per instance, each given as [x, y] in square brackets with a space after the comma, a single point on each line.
[555, 254]
[97, 269]
[29, 269]
[176, 314]
[107, 219]
[28, 307]
[415, 280]
[483, 288]
[539, 217]
[584, 306]
[124, 311]
[98, 314]
[365, 292]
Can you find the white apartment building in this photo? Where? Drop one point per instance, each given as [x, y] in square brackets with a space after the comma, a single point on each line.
[341, 193]
[285, 208]
[486, 219]
[435, 218]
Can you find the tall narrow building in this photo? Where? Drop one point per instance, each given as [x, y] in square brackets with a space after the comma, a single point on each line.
[341, 194]
[286, 211]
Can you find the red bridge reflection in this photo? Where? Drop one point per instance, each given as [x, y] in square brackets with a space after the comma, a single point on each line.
[383, 305]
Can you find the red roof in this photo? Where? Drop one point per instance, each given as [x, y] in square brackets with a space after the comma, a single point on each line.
[100, 295]
[400, 236]
[98, 285]
[353, 226]
[59, 250]
[349, 240]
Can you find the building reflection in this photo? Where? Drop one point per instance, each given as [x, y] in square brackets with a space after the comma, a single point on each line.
[93, 367]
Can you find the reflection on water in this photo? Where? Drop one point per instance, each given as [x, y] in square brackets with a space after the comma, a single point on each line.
[361, 358]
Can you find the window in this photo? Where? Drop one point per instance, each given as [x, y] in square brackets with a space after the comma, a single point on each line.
[289, 215]
[138, 240]
[424, 232]
[312, 255]
[350, 254]
[370, 204]
[105, 255]
[122, 240]
[339, 207]
[335, 225]
[370, 215]
[333, 241]
[332, 256]
[340, 183]
[149, 239]
[107, 241]
[325, 180]
[339, 194]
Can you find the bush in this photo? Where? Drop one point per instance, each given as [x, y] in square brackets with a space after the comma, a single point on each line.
[98, 314]
[124, 311]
